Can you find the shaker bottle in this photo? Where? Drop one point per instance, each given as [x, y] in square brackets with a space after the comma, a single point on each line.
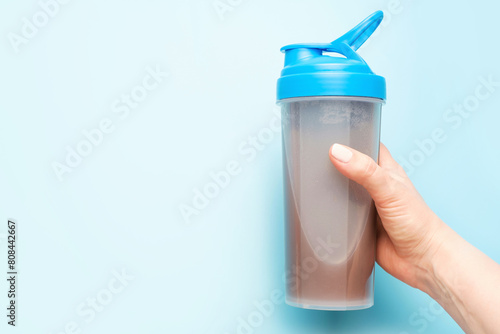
[328, 95]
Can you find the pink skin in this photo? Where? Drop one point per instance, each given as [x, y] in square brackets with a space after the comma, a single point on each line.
[417, 247]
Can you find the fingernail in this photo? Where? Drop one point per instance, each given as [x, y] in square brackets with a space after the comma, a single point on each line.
[341, 153]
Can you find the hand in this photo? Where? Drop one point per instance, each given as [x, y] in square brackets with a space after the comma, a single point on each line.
[408, 232]
[415, 246]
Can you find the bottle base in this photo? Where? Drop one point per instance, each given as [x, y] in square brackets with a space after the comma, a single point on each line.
[330, 307]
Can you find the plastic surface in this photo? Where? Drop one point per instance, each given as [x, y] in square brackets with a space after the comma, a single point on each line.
[330, 220]
[309, 72]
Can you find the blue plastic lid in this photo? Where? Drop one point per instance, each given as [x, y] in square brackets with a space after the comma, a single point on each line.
[309, 72]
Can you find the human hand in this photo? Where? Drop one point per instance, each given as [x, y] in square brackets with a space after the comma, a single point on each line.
[408, 232]
[415, 246]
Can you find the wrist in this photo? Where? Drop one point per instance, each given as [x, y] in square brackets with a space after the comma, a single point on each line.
[437, 257]
[450, 277]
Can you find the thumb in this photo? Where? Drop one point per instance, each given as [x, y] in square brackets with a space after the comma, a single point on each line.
[361, 169]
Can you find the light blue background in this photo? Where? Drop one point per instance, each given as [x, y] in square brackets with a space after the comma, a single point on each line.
[120, 207]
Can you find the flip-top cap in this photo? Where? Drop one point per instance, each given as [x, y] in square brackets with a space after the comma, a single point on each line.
[310, 72]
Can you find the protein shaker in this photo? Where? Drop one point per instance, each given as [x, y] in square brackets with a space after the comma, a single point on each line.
[329, 98]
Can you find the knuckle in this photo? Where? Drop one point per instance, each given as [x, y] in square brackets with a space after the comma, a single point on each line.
[370, 168]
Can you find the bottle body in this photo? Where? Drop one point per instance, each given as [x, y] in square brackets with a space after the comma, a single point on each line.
[330, 220]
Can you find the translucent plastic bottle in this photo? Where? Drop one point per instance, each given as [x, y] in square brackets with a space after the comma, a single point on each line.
[330, 220]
